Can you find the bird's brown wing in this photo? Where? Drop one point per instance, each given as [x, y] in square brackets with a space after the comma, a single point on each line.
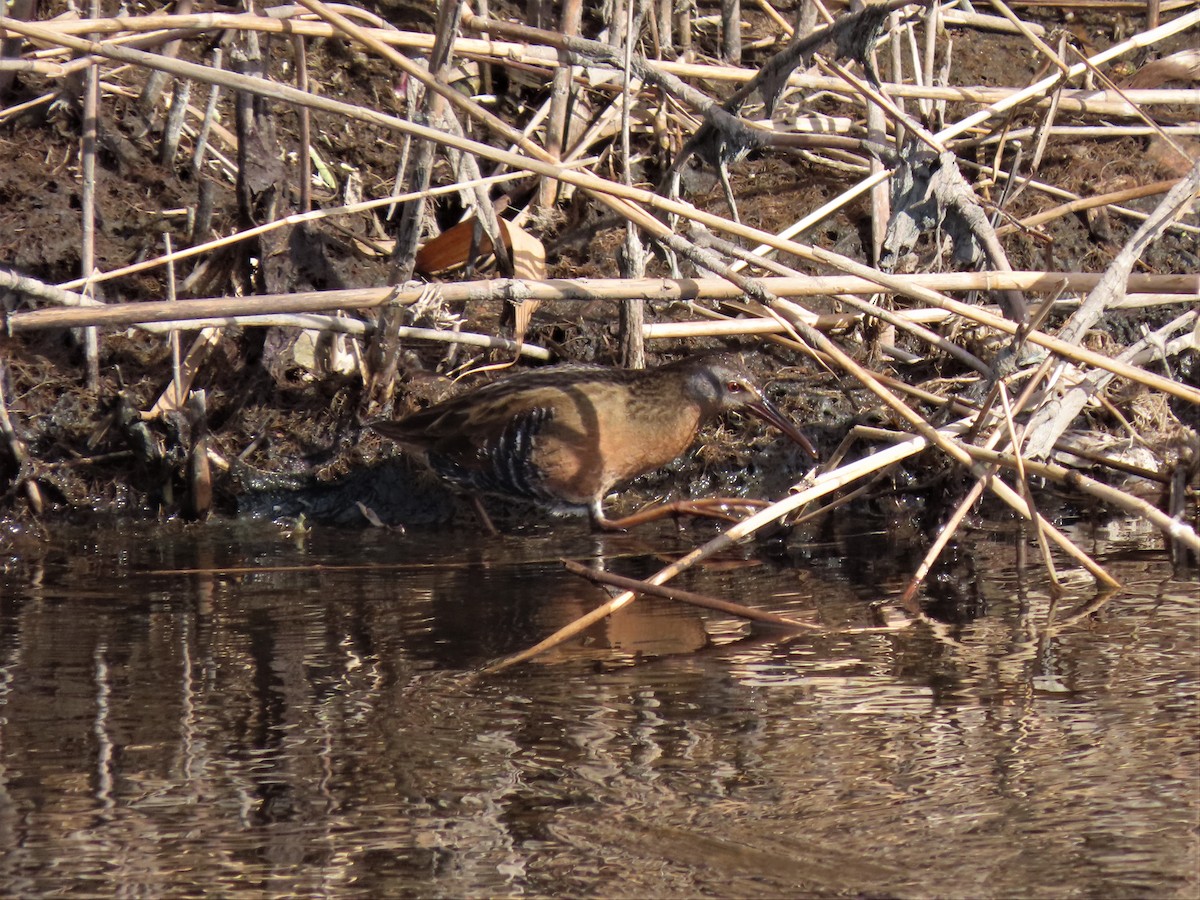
[483, 442]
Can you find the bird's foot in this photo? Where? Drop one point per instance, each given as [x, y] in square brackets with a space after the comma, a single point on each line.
[721, 508]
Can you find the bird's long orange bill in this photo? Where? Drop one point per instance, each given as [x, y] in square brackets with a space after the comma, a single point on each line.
[766, 411]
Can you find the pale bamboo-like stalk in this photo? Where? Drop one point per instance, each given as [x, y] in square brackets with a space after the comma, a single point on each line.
[500, 51]
[1173, 529]
[557, 125]
[1142, 289]
[580, 289]
[923, 67]
[880, 195]
[87, 212]
[305, 153]
[1065, 209]
[689, 597]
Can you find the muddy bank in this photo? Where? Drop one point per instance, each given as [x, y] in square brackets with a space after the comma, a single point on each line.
[277, 409]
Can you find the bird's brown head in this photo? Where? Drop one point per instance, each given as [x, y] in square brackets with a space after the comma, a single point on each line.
[723, 383]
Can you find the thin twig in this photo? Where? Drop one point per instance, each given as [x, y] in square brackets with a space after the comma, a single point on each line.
[689, 597]
[16, 447]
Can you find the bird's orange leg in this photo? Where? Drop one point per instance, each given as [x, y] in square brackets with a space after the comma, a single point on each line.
[713, 508]
[484, 518]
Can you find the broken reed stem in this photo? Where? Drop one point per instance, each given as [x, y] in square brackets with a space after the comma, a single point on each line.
[1074, 100]
[951, 526]
[1070, 196]
[1174, 529]
[689, 597]
[908, 599]
[305, 137]
[87, 212]
[557, 132]
[173, 334]
[1065, 209]
[1163, 288]
[207, 119]
[1014, 439]
[16, 448]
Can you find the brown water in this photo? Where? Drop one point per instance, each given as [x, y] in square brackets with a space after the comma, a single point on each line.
[233, 710]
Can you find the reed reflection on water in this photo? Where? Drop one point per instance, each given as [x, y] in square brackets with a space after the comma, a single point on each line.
[231, 710]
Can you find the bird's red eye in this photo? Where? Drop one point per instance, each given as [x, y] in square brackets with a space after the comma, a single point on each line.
[734, 387]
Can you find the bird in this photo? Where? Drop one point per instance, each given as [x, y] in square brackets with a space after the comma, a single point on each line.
[564, 436]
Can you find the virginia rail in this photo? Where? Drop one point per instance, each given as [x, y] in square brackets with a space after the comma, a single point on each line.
[564, 436]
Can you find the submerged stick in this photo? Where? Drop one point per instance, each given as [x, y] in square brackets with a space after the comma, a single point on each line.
[1175, 529]
[682, 596]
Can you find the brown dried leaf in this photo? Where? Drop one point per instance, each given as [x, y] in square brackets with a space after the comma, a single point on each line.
[1181, 66]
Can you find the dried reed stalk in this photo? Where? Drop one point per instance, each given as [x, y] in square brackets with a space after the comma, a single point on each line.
[1166, 288]
[1107, 103]
[689, 597]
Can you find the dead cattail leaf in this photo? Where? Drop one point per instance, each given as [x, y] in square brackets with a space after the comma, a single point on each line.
[450, 249]
[529, 262]
[1181, 66]
[173, 399]
[199, 471]
[528, 253]
[521, 317]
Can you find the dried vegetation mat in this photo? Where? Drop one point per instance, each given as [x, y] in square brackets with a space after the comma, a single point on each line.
[228, 238]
